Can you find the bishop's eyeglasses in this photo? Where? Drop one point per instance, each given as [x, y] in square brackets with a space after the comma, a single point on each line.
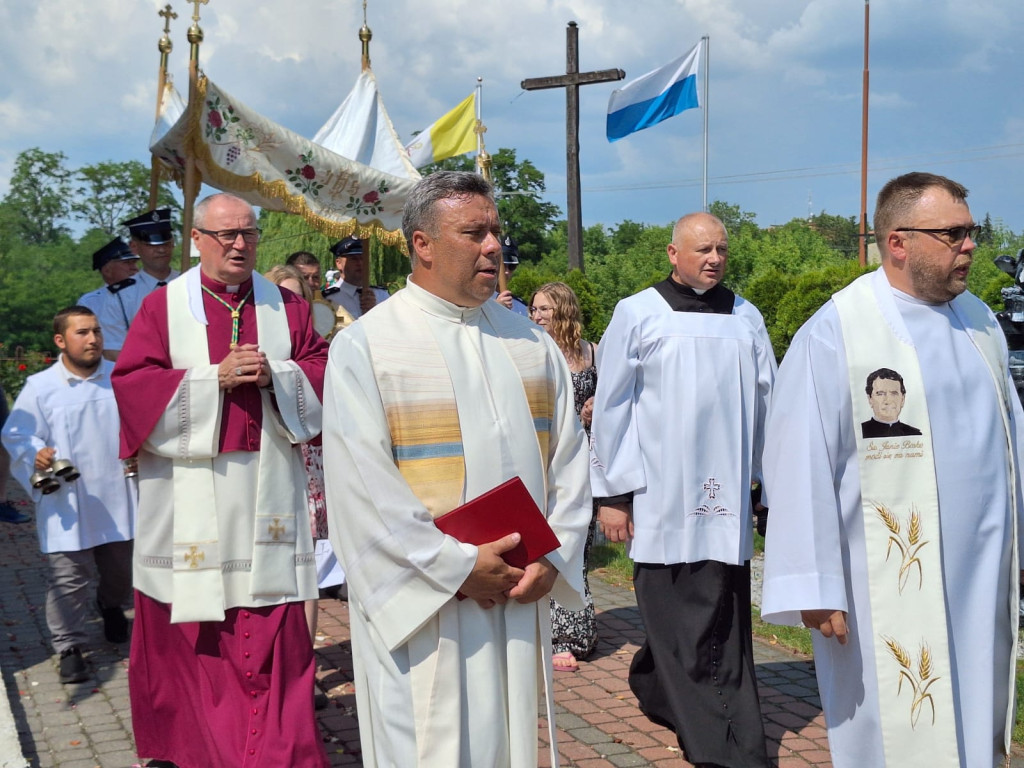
[230, 236]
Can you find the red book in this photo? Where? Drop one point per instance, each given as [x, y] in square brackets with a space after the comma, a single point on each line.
[507, 508]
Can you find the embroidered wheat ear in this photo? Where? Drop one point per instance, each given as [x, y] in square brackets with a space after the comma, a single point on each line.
[914, 532]
[898, 652]
[925, 667]
[888, 518]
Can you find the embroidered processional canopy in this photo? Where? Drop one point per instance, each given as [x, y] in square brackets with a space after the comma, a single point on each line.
[238, 150]
[361, 130]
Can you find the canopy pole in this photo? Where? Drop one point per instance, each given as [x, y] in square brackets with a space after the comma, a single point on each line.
[193, 179]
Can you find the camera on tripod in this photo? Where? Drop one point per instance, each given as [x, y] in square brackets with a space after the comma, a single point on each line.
[1011, 319]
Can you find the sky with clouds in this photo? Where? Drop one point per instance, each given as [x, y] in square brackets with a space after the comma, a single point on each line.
[784, 106]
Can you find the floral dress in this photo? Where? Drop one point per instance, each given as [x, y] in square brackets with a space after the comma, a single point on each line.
[314, 458]
[576, 631]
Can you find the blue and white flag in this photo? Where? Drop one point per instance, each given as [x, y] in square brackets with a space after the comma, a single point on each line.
[656, 96]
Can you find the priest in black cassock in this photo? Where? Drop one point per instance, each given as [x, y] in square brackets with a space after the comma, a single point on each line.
[686, 376]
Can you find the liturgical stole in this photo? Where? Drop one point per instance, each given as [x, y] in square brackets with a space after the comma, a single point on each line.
[426, 436]
[198, 591]
[900, 513]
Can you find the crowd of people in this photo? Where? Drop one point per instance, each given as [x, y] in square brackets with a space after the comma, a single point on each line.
[200, 451]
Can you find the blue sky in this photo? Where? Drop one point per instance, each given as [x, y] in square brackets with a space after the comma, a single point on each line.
[785, 103]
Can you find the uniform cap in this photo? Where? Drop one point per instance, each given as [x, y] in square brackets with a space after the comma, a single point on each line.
[509, 251]
[152, 227]
[116, 250]
[350, 246]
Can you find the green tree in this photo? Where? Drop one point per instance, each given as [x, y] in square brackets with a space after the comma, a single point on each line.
[107, 193]
[735, 220]
[809, 292]
[285, 233]
[841, 233]
[987, 236]
[625, 235]
[38, 280]
[791, 249]
[39, 197]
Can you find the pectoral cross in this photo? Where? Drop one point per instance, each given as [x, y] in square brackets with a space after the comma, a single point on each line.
[194, 557]
[167, 14]
[571, 81]
[711, 487]
[275, 529]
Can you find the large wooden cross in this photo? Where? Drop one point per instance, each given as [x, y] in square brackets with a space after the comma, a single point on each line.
[571, 81]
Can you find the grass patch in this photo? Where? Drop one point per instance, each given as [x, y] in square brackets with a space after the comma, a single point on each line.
[1018, 728]
[794, 638]
[610, 562]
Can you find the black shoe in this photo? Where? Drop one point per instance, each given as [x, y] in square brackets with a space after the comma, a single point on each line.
[320, 701]
[160, 764]
[115, 625]
[72, 667]
[10, 514]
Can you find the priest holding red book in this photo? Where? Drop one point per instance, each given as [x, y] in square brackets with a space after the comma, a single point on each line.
[432, 400]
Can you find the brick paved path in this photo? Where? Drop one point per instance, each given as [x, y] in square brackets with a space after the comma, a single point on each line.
[599, 725]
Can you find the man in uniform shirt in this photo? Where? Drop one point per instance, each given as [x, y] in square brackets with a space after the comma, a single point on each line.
[68, 412]
[678, 427]
[117, 265]
[349, 293]
[153, 241]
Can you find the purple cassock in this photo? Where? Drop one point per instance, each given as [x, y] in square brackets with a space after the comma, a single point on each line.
[236, 692]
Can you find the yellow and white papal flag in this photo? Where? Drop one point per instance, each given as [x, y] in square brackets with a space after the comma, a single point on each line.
[452, 135]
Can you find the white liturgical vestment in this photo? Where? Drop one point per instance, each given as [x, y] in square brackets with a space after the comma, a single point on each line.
[441, 681]
[78, 418]
[682, 399]
[815, 552]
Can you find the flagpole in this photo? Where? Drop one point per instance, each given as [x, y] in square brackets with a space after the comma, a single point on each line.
[707, 60]
[862, 245]
[164, 45]
[193, 179]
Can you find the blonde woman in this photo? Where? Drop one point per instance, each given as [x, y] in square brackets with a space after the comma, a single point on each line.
[555, 308]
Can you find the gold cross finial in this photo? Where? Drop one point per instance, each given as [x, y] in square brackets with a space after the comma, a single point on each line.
[167, 15]
[195, 13]
[194, 557]
[275, 529]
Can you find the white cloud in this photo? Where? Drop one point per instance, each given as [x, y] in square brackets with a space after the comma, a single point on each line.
[786, 77]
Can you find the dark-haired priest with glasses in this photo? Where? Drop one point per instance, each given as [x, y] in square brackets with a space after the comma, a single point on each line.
[898, 545]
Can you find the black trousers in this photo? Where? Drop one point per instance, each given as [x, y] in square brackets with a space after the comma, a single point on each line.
[695, 672]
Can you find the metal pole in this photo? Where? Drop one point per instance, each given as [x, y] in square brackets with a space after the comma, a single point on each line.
[862, 245]
[572, 143]
[707, 61]
[165, 46]
[193, 180]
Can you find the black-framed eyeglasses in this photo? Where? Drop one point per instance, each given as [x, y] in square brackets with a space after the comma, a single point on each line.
[949, 235]
[230, 236]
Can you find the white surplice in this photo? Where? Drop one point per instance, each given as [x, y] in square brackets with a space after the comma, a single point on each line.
[680, 410]
[441, 681]
[77, 417]
[815, 556]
